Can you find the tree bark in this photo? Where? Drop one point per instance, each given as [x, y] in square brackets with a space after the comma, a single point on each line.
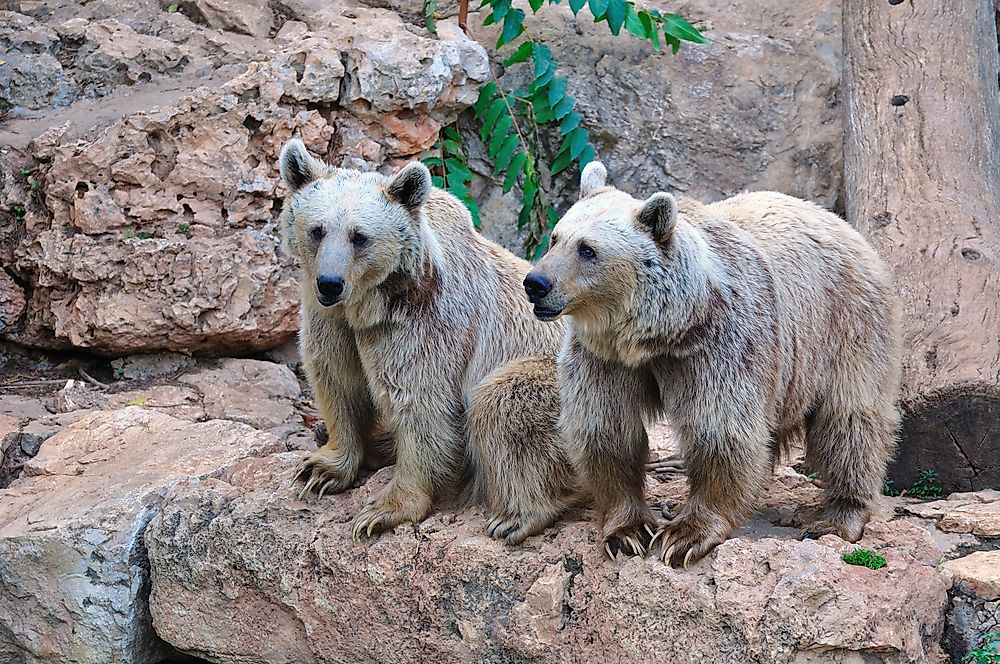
[923, 184]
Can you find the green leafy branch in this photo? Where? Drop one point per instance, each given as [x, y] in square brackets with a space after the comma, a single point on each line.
[511, 119]
[450, 169]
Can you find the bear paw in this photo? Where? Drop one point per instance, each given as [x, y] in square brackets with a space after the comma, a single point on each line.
[515, 528]
[850, 532]
[688, 539]
[386, 511]
[632, 540]
[324, 471]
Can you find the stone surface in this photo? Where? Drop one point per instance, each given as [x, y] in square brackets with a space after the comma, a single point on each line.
[73, 567]
[242, 571]
[979, 572]
[977, 513]
[11, 301]
[157, 228]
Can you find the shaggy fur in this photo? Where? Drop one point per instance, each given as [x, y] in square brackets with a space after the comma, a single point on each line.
[428, 308]
[746, 322]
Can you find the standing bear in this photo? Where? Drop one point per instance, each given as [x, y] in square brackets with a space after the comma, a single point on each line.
[405, 310]
[746, 322]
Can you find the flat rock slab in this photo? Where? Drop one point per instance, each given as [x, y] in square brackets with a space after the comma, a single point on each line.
[73, 567]
[242, 571]
[979, 572]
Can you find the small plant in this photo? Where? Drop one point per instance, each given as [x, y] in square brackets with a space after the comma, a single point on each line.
[887, 488]
[128, 233]
[18, 211]
[813, 475]
[184, 229]
[864, 558]
[144, 235]
[926, 487]
[25, 170]
[118, 373]
[172, 9]
[988, 652]
[138, 401]
[450, 171]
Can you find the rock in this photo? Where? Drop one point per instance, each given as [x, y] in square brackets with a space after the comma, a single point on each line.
[756, 108]
[152, 365]
[980, 519]
[977, 513]
[254, 392]
[158, 230]
[11, 301]
[979, 572]
[242, 571]
[73, 566]
[78, 395]
[251, 17]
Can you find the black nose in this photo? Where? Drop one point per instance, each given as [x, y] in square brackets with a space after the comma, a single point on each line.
[330, 289]
[536, 286]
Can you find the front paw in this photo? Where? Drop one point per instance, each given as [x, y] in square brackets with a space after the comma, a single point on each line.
[691, 536]
[325, 471]
[515, 528]
[388, 510]
[633, 539]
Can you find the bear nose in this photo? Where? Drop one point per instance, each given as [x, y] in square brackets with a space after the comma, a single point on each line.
[330, 289]
[536, 286]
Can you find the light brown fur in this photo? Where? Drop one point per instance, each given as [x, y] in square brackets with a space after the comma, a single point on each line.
[746, 322]
[428, 308]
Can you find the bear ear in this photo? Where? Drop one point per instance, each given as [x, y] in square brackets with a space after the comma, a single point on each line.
[593, 178]
[658, 215]
[298, 168]
[410, 187]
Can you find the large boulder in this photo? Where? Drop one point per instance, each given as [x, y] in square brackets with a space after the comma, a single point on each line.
[73, 568]
[157, 227]
[242, 571]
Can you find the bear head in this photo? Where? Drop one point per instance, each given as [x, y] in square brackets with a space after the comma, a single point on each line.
[623, 269]
[352, 230]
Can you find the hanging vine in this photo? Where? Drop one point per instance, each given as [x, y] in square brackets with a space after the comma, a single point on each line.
[510, 120]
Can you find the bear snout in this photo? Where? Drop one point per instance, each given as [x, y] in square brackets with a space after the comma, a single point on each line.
[537, 286]
[330, 289]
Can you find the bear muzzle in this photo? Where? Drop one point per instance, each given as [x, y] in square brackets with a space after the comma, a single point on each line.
[329, 289]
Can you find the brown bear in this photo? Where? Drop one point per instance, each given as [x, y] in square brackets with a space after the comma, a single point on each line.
[405, 309]
[746, 322]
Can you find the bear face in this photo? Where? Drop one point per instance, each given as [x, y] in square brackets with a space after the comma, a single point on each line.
[617, 263]
[352, 230]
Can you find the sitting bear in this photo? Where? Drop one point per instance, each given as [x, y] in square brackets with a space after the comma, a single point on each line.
[405, 309]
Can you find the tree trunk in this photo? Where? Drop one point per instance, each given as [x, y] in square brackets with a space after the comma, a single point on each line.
[923, 184]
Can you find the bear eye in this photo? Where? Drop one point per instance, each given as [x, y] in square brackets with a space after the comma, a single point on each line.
[316, 233]
[358, 239]
[586, 251]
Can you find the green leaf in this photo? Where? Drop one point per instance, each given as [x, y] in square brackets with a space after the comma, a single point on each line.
[543, 246]
[500, 9]
[557, 90]
[452, 147]
[675, 26]
[561, 162]
[522, 54]
[563, 108]
[598, 8]
[513, 170]
[431, 162]
[535, 5]
[576, 5]
[513, 26]
[569, 123]
[499, 136]
[430, 6]
[586, 157]
[504, 154]
[542, 57]
[635, 24]
[497, 108]
[451, 131]
[673, 42]
[458, 168]
[486, 95]
[617, 10]
[488, 20]
[545, 78]
[437, 181]
[577, 139]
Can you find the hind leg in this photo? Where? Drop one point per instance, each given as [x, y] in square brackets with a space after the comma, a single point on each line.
[520, 470]
[850, 447]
